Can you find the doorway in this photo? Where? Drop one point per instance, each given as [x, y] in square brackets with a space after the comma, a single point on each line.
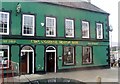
[27, 60]
[50, 59]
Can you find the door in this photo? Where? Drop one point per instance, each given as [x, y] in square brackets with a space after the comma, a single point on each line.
[23, 63]
[30, 62]
[50, 61]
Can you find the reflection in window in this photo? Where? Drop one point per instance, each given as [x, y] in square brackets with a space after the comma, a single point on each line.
[85, 29]
[50, 26]
[87, 55]
[4, 23]
[4, 56]
[68, 58]
[69, 28]
[99, 31]
[28, 25]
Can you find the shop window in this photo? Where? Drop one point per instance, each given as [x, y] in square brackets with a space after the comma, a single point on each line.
[69, 28]
[99, 30]
[68, 58]
[87, 55]
[50, 26]
[4, 56]
[28, 25]
[4, 23]
[85, 29]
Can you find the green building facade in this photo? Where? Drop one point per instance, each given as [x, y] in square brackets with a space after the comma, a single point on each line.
[52, 37]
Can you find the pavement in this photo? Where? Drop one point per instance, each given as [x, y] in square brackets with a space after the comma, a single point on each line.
[106, 75]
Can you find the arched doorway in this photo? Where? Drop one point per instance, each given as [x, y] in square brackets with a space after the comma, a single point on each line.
[50, 59]
[27, 60]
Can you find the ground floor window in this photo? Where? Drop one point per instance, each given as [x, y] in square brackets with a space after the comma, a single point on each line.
[87, 55]
[68, 58]
[4, 56]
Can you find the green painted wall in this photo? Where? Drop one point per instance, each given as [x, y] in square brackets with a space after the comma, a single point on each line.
[42, 9]
[15, 53]
[39, 58]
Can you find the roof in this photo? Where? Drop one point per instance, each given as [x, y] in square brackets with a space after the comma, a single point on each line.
[81, 5]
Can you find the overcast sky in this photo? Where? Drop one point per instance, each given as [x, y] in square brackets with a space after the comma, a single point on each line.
[110, 6]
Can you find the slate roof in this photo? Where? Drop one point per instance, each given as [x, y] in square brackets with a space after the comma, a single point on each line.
[80, 5]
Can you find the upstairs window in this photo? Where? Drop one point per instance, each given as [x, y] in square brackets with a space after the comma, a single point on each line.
[85, 29]
[4, 23]
[68, 58]
[87, 55]
[28, 25]
[50, 27]
[69, 28]
[4, 56]
[99, 30]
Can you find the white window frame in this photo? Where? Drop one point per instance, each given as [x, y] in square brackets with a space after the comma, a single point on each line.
[91, 59]
[73, 57]
[23, 24]
[101, 29]
[54, 27]
[7, 58]
[68, 28]
[87, 28]
[2, 33]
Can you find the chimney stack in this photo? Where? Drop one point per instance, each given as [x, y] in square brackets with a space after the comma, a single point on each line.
[89, 1]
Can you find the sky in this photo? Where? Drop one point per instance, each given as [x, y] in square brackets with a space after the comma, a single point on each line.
[110, 6]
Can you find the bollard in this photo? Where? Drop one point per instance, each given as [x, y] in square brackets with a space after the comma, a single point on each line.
[98, 79]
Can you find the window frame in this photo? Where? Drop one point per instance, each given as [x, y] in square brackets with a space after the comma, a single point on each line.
[90, 57]
[33, 32]
[98, 23]
[8, 49]
[55, 21]
[63, 60]
[8, 23]
[88, 23]
[73, 27]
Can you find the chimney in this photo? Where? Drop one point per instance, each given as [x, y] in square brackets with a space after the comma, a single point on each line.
[89, 1]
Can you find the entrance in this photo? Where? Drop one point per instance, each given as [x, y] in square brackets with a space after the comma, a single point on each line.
[27, 60]
[50, 59]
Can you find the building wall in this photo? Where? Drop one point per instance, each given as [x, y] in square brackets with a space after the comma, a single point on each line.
[41, 10]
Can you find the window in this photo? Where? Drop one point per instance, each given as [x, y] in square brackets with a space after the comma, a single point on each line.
[4, 23]
[28, 25]
[87, 55]
[4, 56]
[68, 58]
[69, 28]
[85, 29]
[50, 26]
[99, 30]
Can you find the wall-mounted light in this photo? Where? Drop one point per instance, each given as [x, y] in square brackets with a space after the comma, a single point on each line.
[42, 24]
[18, 8]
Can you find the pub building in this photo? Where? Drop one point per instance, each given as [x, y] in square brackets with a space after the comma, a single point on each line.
[43, 37]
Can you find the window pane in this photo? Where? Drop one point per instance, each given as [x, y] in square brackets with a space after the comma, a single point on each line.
[4, 54]
[85, 29]
[99, 31]
[50, 26]
[87, 58]
[68, 56]
[69, 28]
[4, 24]
[28, 26]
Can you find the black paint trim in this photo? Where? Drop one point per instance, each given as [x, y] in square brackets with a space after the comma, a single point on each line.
[51, 38]
[84, 68]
